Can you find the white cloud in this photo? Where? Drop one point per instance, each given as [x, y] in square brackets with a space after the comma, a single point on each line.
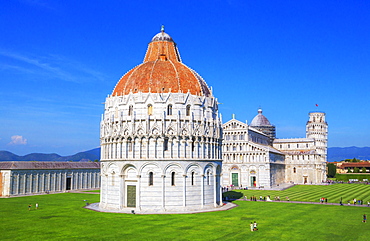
[18, 140]
[51, 66]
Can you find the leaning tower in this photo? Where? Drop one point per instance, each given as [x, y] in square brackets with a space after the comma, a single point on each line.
[317, 129]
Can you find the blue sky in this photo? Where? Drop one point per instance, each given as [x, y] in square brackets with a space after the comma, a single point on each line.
[60, 59]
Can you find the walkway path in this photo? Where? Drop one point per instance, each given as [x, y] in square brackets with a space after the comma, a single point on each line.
[95, 207]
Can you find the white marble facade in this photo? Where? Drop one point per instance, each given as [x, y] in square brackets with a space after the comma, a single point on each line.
[251, 160]
[161, 137]
[248, 159]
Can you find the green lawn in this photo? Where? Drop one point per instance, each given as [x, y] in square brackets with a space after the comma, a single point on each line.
[61, 217]
[312, 193]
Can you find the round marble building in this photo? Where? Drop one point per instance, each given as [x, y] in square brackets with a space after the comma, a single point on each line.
[161, 137]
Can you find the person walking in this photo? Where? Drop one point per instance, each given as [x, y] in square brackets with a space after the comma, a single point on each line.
[37, 206]
[364, 218]
[29, 207]
[251, 226]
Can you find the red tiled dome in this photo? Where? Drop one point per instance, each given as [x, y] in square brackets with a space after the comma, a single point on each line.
[162, 71]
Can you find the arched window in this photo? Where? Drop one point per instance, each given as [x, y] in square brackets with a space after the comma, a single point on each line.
[192, 178]
[165, 144]
[150, 109]
[208, 176]
[129, 143]
[294, 170]
[173, 179]
[130, 108]
[188, 110]
[150, 178]
[169, 110]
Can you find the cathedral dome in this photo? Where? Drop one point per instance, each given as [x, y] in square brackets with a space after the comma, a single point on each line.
[260, 120]
[162, 71]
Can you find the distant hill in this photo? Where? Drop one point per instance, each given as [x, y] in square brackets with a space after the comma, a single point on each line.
[342, 153]
[90, 155]
[334, 154]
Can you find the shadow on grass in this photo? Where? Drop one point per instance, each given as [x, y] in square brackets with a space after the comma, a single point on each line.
[231, 195]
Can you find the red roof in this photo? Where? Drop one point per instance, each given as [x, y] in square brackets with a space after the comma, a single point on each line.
[162, 71]
[355, 164]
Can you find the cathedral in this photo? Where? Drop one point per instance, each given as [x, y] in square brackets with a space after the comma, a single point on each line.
[161, 137]
[254, 158]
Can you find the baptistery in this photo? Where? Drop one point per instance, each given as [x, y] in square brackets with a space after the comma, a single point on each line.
[161, 137]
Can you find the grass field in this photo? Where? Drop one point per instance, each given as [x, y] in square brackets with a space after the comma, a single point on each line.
[346, 177]
[312, 193]
[61, 217]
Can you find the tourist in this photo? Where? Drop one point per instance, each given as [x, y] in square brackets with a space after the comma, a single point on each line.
[252, 226]
[354, 201]
[255, 226]
[364, 220]
[29, 207]
[37, 206]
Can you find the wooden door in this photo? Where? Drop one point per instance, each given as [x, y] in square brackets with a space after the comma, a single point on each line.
[131, 196]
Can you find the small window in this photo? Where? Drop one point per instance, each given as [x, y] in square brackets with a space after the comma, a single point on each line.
[150, 109]
[188, 110]
[294, 170]
[208, 178]
[173, 179]
[169, 110]
[130, 108]
[165, 144]
[129, 143]
[150, 178]
[192, 178]
[297, 145]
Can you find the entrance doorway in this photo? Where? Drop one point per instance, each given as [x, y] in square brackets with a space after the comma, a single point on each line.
[305, 180]
[235, 179]
[253, 181]
[131, 196]
[68, 183]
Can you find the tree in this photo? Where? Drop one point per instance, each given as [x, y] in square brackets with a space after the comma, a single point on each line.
[363, 170]
[356, 170]
[349, 170]
[332, 170]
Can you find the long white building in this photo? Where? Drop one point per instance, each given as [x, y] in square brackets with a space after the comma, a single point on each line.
[27, 178]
